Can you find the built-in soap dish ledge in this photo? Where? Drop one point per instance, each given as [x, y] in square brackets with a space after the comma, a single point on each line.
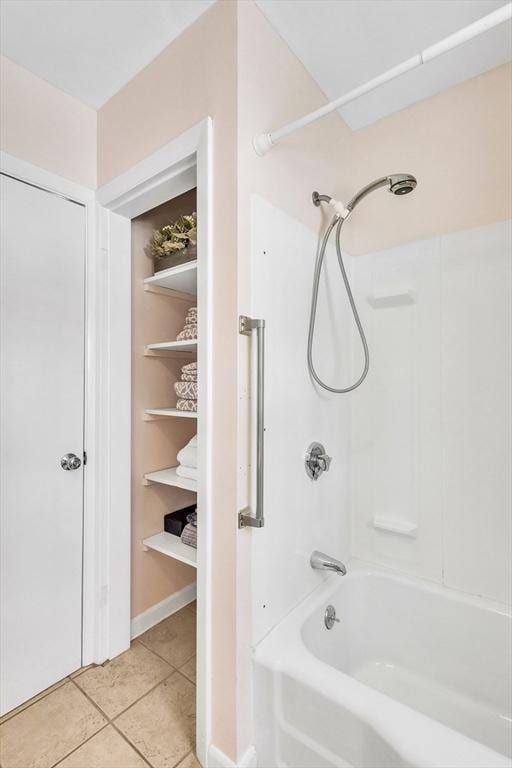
[392, 299]
[393, 525]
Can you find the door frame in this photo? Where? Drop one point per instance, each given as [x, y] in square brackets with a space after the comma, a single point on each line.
[183, 163]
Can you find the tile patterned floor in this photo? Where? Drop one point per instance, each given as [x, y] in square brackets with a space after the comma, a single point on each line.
[136, 711]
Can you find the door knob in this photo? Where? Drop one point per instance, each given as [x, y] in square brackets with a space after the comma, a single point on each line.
[70, 461]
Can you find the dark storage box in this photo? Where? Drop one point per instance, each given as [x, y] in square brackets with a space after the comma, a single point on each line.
[174, 522]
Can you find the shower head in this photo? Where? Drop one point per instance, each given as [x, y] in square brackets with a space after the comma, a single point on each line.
[398, 184]
[401, 183]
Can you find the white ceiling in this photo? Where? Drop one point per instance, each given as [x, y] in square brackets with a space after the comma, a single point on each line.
[91, 48]
[345, 43]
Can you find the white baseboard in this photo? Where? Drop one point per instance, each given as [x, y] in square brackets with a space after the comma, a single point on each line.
[217, 759]
[160, 611]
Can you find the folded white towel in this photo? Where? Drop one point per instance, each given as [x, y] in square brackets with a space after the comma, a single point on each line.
[187, 457]
[193, 440]
[190, 473]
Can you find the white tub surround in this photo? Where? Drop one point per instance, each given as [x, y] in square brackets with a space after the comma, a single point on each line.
[430, 435]
[413, 675]
[300, 514]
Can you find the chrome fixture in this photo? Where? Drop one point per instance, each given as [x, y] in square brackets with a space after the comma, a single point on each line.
[397, 184]
[402, 183]
[316, 461]
[323, 562]
[330, 617]
[70, 461]
[246, 325]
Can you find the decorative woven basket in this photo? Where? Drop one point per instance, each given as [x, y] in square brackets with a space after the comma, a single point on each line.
[180, 257]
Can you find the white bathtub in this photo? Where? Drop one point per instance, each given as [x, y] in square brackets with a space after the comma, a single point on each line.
[413, 675]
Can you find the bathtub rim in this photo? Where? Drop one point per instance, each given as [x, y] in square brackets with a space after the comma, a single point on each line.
[283, 651]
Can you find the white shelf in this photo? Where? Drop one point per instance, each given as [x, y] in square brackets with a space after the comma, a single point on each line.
[172, 546]
[174, 346]
[182, 278]
[169, 477]
[171, 412]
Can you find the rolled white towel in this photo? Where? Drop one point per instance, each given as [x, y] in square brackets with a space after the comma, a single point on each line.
[190, 473]
[187, 457]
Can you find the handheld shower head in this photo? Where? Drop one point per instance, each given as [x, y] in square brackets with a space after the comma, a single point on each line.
[402, 183]
[397, 183]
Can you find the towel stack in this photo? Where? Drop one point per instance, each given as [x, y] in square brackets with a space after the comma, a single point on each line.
[189, 331]
[187, 467]
[189, 534]
[186, 389]
[187, 460]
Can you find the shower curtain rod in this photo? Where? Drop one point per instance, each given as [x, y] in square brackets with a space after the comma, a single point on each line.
[265, 141]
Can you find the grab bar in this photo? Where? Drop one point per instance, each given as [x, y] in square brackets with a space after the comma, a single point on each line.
[245, 516]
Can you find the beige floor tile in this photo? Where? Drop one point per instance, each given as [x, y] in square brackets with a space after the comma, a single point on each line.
[105, 750]
[81, 671]
[189, 669]
[49, 730]
[162, 724]
[120, 682]
[190, 761]
[174, 638]
[28, 703]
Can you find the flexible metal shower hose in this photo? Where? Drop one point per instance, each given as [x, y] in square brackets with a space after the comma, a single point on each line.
[314, 302]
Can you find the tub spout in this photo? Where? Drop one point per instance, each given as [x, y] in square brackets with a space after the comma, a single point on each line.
[326, 563]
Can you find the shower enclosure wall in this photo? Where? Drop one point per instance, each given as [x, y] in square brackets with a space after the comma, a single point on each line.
[430, 439]
[420, 476]
[419, 484]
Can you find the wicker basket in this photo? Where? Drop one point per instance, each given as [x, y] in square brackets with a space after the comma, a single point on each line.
[175, 259]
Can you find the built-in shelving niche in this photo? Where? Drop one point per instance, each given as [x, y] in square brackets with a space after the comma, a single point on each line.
[160, 303]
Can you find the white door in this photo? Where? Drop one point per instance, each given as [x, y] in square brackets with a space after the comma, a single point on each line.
[42, 415]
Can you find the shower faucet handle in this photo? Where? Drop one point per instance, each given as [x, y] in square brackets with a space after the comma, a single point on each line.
[316, 461]
[324, 461]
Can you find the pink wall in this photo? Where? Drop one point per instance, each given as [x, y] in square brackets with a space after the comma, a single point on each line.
[192, 78]
[44, 126]
[458, 144]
